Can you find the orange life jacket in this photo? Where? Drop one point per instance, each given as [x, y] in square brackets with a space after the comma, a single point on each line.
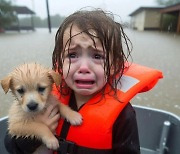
[98, 118]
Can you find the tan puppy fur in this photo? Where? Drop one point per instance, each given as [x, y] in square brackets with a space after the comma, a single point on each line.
[31, 84]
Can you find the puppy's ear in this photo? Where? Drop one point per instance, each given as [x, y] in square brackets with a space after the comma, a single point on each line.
[5, 83]
[56, 77]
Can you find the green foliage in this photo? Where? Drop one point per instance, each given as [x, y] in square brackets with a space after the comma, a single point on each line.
[167, 2]
[6, 13]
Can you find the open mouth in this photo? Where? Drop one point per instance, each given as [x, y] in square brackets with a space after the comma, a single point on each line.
[85, 82]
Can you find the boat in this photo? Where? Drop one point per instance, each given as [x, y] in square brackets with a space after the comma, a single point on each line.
[159, 131]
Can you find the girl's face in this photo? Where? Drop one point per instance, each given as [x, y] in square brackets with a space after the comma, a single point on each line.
[83, 66]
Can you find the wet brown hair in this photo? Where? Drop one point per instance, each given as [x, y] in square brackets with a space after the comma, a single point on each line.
[111, 35]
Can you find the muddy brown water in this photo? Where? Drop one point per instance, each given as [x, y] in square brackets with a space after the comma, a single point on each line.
[150, 48]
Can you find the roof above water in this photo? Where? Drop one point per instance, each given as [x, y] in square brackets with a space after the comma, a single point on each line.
[144, 8]
[162, 9]
[22, 10]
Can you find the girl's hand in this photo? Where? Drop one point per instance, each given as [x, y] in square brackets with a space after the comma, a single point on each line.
[50, 117]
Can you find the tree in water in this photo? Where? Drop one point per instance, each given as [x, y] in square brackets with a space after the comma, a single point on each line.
[7, 15]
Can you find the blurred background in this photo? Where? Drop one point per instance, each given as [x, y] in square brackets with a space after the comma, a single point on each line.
[28, 28]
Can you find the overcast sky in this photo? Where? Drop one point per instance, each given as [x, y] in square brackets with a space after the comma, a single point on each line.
[65, 7]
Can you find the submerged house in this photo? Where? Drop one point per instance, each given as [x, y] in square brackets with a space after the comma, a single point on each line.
[145, 18]
[155, 18]
[22, 11]
[174, 12]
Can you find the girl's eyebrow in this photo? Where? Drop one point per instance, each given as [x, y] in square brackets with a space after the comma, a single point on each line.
[94, 50]
[97, 46]
[98, 49]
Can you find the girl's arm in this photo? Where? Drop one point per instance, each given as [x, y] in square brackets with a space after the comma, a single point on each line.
[20, 145]
[125, 132]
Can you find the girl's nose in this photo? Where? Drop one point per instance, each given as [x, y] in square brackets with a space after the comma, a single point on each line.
[84, 66]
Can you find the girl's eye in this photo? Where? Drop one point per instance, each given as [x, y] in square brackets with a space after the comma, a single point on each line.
[98, 56]
[72, 55]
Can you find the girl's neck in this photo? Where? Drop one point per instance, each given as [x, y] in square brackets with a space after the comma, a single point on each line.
[80, 99]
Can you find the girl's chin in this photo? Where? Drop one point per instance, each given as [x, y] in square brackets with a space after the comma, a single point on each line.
[85, 92]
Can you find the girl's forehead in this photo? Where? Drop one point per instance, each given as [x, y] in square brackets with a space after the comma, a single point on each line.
[74, 30]
[75, 33]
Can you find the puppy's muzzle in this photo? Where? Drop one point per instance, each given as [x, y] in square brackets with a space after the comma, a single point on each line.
[32, 106]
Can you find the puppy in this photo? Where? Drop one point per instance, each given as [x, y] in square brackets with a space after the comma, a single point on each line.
[31, 85]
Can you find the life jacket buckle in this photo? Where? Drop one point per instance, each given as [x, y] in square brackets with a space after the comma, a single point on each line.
[65, 147]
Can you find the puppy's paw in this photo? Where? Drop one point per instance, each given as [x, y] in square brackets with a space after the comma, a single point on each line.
[51, 142]
[74, 118]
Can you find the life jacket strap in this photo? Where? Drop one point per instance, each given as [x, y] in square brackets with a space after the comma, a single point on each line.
[68, 147]
[65, 147]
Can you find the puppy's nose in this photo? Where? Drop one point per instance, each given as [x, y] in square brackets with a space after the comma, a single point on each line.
[32, 106]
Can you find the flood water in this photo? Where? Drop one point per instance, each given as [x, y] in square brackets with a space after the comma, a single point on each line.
[154, 49]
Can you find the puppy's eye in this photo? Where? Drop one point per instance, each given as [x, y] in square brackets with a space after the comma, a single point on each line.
[41, 89]
[21, 91]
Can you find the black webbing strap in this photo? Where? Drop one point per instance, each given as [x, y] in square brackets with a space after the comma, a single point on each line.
[67, 147]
